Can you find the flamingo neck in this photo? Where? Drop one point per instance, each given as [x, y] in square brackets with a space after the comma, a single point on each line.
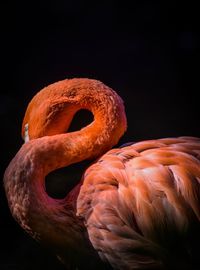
[49, 220]
[53, 222]
[49, 120]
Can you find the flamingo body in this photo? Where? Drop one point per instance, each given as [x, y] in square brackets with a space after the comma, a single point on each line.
[140, 200]
[132, 206]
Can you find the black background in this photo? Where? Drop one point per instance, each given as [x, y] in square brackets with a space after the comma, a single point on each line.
[145, 50]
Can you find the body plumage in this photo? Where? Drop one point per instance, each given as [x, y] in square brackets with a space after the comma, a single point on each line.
[132, 207]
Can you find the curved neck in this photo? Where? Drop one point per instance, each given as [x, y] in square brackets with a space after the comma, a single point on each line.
[52, 109]
[48, 219]
[52, 120]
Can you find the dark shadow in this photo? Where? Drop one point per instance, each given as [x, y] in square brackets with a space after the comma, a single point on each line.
[60, 182]
[81, 119]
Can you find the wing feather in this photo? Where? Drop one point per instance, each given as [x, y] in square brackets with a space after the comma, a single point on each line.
[138, 200]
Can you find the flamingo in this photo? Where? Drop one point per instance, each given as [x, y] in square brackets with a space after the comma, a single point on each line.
[135, 207]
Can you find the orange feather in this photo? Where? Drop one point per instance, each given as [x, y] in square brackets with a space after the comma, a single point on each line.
[131, 208]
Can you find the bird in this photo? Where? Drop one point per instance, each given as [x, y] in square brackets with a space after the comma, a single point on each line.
[135, 207]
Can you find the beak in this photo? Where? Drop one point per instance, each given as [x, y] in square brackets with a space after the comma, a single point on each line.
[26, 136]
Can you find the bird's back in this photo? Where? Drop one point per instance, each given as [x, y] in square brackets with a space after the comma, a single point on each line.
[141, 204]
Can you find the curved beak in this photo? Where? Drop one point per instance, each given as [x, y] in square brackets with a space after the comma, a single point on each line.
[26, 135]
